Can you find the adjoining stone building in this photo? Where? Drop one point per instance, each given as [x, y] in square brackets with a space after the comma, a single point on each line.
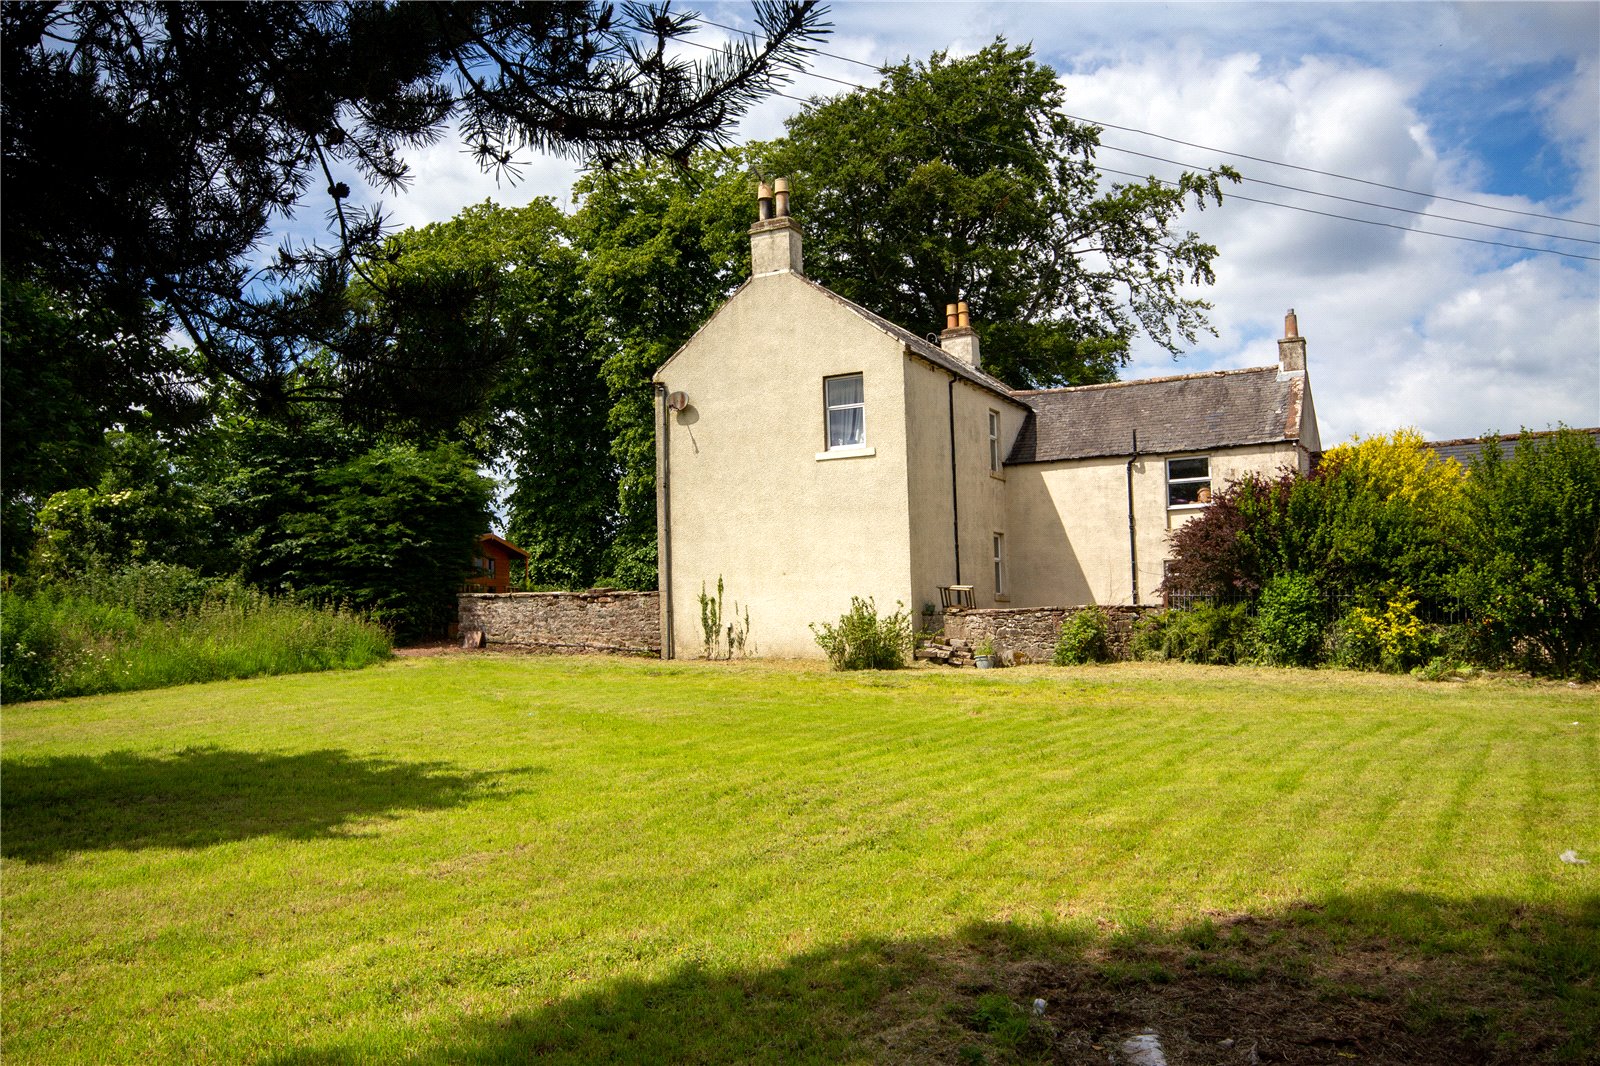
[809, 451]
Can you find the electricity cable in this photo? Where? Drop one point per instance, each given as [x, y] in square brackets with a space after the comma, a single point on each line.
[1208, 148]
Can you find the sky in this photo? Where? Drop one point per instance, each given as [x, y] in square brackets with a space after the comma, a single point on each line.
[1488, 113]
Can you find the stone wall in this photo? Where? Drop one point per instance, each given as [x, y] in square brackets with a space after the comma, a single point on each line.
[628, 623]
[1028, 634]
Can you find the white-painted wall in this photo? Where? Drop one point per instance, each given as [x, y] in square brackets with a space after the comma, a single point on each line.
[1071, 521]
[793, 536]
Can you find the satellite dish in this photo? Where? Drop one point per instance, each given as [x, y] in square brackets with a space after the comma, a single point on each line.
[678, 400]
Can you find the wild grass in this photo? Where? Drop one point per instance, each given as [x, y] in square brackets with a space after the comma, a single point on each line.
[118, 635]
[503, 859]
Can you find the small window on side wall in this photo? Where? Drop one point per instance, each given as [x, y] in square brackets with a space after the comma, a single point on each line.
[1188, 481]
[1000, 564]
[994, 442]
[845, 397]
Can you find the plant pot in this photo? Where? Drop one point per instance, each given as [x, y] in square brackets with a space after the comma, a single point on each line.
[984, 662]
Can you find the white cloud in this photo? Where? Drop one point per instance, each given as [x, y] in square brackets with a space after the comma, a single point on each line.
[446, 179]
[1404, 329]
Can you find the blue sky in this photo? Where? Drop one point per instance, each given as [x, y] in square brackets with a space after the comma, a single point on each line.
[1478, 106]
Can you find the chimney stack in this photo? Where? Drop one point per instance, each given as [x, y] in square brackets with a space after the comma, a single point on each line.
[959, 338]
[1292, 348]
[775, 246]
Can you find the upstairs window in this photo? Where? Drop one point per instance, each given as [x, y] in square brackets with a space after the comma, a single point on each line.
[1188, 481]
[845, 397]
[994, 442]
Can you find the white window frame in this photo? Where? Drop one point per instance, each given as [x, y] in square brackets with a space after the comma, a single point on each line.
[999, 545]
[994, 441]
[1203, 482]
[827, 417]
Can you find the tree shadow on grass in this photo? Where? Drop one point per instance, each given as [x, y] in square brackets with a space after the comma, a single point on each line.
[1380, 979]
[202, 796]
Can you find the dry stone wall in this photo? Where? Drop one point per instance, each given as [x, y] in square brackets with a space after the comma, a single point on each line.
[1028, 634]
[608, 620]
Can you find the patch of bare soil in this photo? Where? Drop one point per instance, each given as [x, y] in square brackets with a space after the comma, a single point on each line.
[1251, 990]
[431, 647]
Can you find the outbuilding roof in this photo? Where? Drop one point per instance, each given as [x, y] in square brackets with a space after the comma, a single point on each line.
[1190, 412]
[1465, 449]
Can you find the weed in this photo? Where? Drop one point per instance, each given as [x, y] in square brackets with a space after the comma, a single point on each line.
[864, 641]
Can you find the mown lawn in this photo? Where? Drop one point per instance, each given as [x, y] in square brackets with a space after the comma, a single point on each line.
[506, 859]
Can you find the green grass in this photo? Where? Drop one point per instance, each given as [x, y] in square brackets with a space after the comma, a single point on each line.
[505, 859]
[62, 643]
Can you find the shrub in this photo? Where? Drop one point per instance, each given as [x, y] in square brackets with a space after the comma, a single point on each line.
[1205, 633]
[1356, 645]
[1287, 630]
[29, 647]
[1533, 575]
[1085, 638]
[1394, 640]
[863, 641]
[1403, 638]
[1378, 511]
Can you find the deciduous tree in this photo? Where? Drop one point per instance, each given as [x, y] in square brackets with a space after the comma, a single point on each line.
[962, 178]
[528, 340]
[959, 178]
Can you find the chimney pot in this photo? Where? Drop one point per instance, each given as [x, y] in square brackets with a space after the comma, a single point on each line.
[1291, 325]
[959, 338]
[775, 246]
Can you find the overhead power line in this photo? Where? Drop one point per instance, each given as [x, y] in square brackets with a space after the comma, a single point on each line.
[1237, 155]
[1353, 200]
[1331, 174]
[1293, 207]
[1363, 221]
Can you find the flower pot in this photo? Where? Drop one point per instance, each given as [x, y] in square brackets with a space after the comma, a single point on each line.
[984, 662]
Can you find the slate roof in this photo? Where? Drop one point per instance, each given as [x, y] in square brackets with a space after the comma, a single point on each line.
[1465, 449]
[1187, 413]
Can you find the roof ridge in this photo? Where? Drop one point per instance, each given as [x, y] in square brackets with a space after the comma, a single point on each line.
[1198, 375]
[1506, 438]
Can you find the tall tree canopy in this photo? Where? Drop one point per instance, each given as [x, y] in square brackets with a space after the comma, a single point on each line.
[958, 179]
[533, 336]
[962, 179]
[150, 147]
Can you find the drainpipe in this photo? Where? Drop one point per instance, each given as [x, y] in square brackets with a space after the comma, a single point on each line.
[1133, 543]
[955, 503]
[663, 518]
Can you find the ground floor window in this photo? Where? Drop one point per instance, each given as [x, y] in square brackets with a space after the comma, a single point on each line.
[1188, 481]
[999, 564]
